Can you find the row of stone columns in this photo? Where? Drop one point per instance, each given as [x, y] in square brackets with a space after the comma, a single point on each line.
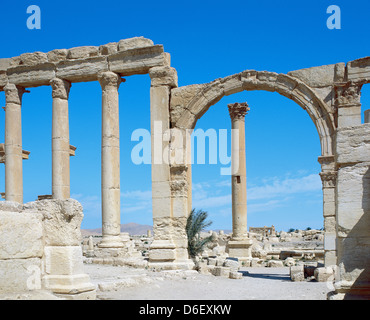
[61, 149]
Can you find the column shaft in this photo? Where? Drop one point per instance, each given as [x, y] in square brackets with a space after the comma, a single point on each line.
[110, 166]
[239, 177]
[60, 140]
[13, 143]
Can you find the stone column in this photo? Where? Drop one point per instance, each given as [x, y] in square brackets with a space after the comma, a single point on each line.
[60, 140]
[329, 176]
[239, 176]
[163, 249]
[239, 246]
[110, 157]
[13, 143]
[169, 186]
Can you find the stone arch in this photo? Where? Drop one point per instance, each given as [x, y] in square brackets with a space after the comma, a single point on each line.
[189, 103]
[201, 97]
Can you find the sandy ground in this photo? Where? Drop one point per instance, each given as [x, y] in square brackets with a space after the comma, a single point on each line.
[125, 283]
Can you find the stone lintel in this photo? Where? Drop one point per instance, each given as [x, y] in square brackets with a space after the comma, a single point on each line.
[359, 69]
[81, 64]
[31, 76]
[81, 70]
[137, 61]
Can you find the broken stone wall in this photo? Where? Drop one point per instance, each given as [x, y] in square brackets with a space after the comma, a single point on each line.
[40, 249]
[353, 210]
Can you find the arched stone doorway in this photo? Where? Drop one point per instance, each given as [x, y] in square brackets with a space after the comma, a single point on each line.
[188, 104]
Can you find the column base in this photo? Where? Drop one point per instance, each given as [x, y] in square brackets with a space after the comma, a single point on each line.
[163, 256]
[70, 285]
[240, 248]
[172, 265]
[348, 290]
[162, 251]
[111, 242]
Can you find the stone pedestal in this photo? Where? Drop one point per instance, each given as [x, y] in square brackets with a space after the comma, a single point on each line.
[241, 249]
[64, 274]
[111, 210]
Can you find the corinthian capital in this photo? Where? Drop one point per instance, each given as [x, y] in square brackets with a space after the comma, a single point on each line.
[109, 79]
[348, 93]
[238, 110]
[329, 179]
[13, 93]
[60, 88]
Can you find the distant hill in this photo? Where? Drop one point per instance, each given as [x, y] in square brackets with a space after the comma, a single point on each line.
[132, 228]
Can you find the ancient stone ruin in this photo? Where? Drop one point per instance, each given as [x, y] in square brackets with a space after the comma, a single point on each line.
[40, 242]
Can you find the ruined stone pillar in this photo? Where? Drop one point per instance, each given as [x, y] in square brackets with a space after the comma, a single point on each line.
[13, 143]
[162, 250]
[352, 279]
[329, 177]
[111, 204]
[60, 140]
[239, 246]
[169, 182]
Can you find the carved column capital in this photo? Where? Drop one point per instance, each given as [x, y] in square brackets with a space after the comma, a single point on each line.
[13, 93]
[238, 110]
[60, 88]
[109, 79]
[329, 179]
[348, 94]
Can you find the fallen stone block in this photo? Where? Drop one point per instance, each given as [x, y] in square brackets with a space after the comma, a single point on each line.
[235, 275]
[232, 264]
[275, 264]
[324, 274]
[289, 262]
[297, 273]
[221, 271]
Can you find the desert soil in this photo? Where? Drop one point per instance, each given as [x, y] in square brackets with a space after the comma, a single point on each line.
[258, 283]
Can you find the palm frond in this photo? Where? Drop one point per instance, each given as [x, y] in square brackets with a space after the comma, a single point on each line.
[195, 224]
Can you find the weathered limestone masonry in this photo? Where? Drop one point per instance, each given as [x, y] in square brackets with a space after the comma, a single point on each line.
[329, 94]
[171, 205]
[40, 252]
[60, 68]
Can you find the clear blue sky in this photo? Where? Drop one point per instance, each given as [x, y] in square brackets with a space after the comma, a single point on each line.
[207, 40]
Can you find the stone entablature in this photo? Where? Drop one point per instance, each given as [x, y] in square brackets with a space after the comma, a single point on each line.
[126, 57]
